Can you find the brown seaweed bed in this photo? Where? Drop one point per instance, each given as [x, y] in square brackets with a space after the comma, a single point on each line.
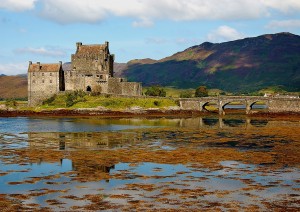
[235, 164]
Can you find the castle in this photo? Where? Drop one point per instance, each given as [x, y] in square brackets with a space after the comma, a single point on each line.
[91, 69]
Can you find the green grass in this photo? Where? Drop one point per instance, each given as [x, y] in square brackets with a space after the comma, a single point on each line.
[110, 102]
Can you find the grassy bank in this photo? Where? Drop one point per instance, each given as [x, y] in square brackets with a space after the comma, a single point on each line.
[106, 101]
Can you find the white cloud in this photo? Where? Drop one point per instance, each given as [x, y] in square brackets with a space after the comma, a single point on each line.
[224, 33]
[286, 6]
[13, 68]
[51, 52]
[146, 11]
[286, 24]
[17, 5]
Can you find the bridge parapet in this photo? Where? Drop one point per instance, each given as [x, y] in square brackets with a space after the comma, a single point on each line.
[274, 104]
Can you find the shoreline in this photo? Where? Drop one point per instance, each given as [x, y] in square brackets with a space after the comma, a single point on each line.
[155, 113]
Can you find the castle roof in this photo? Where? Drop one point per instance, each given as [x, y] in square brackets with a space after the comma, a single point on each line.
[44, 67]
[90, 49]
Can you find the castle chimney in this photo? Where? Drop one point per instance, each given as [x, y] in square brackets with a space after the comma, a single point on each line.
[78, 44]
[106, 43]
[60, 62]
[39, 64]
[30, 62]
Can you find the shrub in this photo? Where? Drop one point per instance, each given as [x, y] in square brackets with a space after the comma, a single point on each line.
[156, 103]
[186, 94]
[75, 97]
[50, 100]
[155, 91]
[96, 90]
[201, 91]
[10, 103]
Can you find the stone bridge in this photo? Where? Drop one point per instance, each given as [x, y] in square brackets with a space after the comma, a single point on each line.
[279, 104]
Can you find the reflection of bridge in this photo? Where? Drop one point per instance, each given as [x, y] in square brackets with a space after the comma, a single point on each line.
[221, 123]
[273, 104]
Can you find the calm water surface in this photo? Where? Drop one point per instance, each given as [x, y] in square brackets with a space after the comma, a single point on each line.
[230, 163]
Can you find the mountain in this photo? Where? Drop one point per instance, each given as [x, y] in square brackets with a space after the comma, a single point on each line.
[243, 65]
[13, 87]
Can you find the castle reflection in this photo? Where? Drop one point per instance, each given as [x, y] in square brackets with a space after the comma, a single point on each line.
[82, 140]
[110, 140]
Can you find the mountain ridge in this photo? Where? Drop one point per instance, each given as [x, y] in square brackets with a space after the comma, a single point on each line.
[242, 65]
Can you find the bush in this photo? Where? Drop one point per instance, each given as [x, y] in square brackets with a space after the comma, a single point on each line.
[186, 94]
[201, 91]
[96, 90]
[156, 103]
[10, 103]
[75, 97]
[50, 100]
[155, 91]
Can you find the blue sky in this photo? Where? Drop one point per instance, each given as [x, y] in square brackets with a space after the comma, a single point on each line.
[46, 30]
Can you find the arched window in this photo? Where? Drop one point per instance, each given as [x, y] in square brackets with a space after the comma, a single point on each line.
[88, 89]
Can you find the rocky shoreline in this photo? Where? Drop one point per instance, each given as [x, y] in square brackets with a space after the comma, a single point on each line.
[100, 113]
[153, 112]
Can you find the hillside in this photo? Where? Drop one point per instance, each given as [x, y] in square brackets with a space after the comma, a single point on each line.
[13, 87]
[243, 65]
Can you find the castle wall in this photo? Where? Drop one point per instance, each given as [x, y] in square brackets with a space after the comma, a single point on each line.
[121, 87]
[42, 85]
[114, 86]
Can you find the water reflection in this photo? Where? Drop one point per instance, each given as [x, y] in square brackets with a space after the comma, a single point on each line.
[81, 140]
[226, 163]
[221, 123]
[109, 140]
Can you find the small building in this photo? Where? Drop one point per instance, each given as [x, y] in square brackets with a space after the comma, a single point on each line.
[44, 80]
[91, 69]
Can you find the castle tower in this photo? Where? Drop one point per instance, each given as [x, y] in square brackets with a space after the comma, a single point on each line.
[91, 65]
[44, 80]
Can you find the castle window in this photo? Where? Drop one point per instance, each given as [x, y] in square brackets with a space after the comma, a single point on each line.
[33, 81]
[50, 81]
[50, 74]
[43, 81]
[42, 74]
[101, 76]
[33, 74]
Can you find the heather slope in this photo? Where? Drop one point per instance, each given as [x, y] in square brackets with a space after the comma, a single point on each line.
[13, 87]
[244, 65]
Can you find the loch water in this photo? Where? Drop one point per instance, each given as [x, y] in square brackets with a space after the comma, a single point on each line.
[217, 163]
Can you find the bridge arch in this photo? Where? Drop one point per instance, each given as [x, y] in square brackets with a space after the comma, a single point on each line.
[259, 105]
[232, 104]
[209, 106]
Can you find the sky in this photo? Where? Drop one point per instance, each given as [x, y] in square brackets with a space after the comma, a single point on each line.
[46, 31]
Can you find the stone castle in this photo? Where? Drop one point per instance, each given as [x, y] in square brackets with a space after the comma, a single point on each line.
[91, 69]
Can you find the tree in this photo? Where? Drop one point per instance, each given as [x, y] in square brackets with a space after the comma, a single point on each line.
[201, 91]
[155, 91]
